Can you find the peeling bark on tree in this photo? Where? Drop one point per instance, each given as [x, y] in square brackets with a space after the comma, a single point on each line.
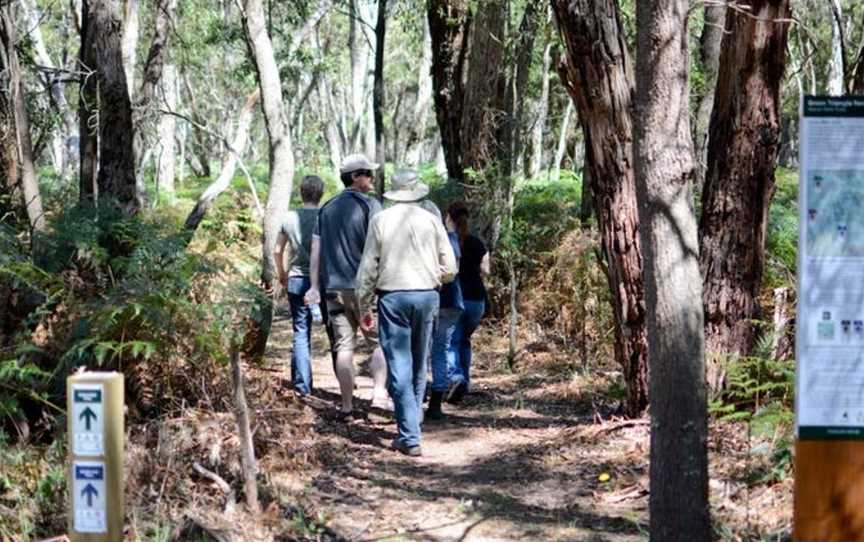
[449, 26]
[101, 52]
[599, 78]
[663, 160]
[744, 142]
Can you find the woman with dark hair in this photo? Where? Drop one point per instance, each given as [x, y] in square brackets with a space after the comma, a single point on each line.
[444, 349]
[473, 266]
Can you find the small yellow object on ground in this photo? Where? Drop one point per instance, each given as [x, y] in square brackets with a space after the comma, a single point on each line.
[604, 477]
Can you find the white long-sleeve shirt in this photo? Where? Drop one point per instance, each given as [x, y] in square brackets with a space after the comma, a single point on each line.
[406, 249]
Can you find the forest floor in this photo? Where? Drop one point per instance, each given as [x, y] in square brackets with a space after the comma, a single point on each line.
[534, 453]
[509, 463]
[531, 454]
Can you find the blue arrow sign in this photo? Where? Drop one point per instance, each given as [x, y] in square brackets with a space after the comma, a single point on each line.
[88, 416]
[89, 492]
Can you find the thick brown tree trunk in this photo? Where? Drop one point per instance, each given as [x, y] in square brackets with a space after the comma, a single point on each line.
[101, 40]
[484, 86]
[663, 160]
[744, 142]
[599, 77]
[449, 26]
[378, 94]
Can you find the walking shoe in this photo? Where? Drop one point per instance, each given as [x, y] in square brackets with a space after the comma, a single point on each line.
[456, 392]
[434, 413]
[402, 448]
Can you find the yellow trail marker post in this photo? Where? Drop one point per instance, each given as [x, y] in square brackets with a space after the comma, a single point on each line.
[96, 429]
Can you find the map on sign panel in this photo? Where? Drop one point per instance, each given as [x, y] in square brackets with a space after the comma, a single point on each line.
[835, 223]
[88, 419]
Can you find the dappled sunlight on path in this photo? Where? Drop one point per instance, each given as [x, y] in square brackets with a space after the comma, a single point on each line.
[503, 466]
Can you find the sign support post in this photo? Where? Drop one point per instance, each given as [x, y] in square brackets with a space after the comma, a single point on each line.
[96, 429]
[829, 383]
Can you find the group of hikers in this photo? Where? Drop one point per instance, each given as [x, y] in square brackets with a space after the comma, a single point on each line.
[420, 272]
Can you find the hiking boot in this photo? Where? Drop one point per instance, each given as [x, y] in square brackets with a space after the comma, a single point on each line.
[402, 448]
[434, 413]
[456, 392]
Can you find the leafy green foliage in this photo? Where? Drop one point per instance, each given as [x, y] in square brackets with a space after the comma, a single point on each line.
[782, 241]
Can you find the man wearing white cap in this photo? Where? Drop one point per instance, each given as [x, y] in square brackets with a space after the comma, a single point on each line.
[337, 245]
[406, 259]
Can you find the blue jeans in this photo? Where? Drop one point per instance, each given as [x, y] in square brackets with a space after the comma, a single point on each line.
[301, 317]
[405, 323]
[460, 370]
[444, 348]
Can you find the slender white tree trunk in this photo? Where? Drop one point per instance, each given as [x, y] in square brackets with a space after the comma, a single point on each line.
[542, 109]
[562, 140]
[417, 130]
[233, 153]
[29, 181]
[167, 130]
[281, 160]
[129, 43]
[836, 77]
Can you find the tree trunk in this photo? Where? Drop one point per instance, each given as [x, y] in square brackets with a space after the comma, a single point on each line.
[837, 62]
[156, 56]
[60, 145]
[116, 176]
[248, 463]
[599, 77]
[744, 142]
[88, 108]
[281, 162]
[130, 43]
[539, 124]
[201, 143]
[484, 79]
[378, 95]
[167, 130]
[449, 26]
[27, 179]
[709, 55]
[561, 149]
[663, 159]
[416, 135]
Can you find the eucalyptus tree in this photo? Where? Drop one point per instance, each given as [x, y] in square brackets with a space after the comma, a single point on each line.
[663, 160]
[19, 127]
[281, 159]
[742, 155]
[105, 112]
[598, 75]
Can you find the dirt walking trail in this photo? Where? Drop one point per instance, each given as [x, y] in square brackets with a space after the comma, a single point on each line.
[518, 460]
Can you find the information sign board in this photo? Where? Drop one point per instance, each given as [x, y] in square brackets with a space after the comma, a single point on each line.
[830, 320]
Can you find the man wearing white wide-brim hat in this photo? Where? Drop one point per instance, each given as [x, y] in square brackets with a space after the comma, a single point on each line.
[406, 259]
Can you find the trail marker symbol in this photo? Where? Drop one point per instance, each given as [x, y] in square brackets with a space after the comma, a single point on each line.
[88, 420]
[89, 503]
